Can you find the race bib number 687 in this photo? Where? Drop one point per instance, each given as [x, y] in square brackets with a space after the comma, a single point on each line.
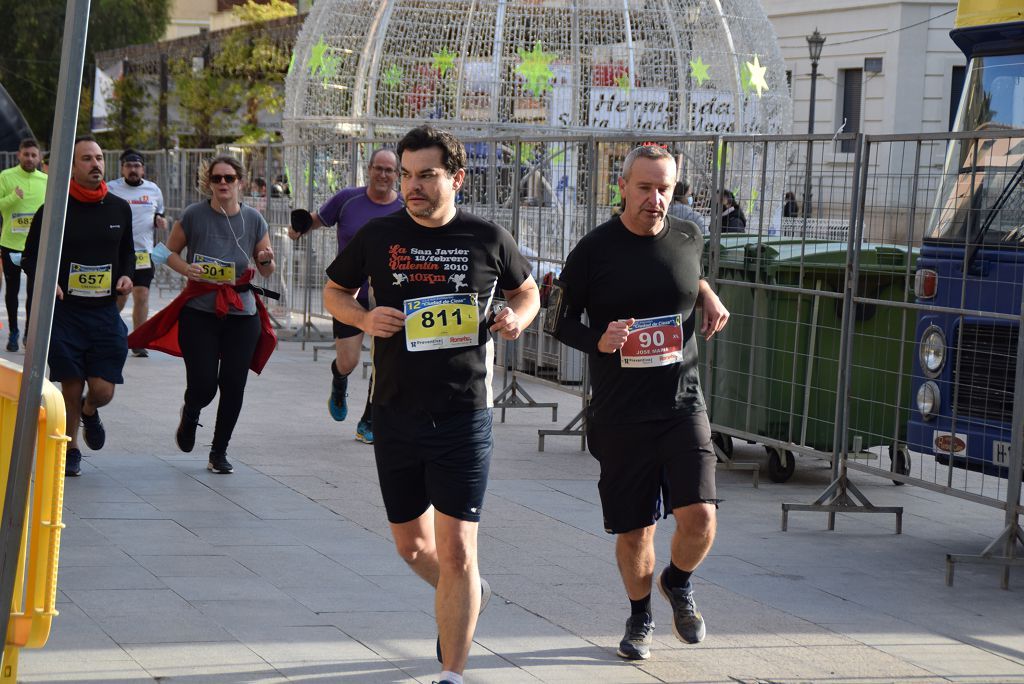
[441, 322]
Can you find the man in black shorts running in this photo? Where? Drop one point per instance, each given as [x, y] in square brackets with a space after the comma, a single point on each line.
[435, 271]
[637, 277]
[88, 339]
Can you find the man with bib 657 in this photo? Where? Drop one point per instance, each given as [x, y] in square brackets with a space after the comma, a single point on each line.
[637, 277]
[88, 339]
[435, 271]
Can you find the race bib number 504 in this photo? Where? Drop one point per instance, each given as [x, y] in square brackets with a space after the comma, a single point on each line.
[441, 322]
[653, 342]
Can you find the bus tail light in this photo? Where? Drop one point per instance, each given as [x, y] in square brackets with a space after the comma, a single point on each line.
[926, 283]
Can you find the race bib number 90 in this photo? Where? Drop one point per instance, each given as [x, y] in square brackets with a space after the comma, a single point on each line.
[89, 281]
[653, 342]
[441, 322]
[216, 270]
[143, 260]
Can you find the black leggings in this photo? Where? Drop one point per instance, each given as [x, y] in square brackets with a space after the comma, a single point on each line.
[12, 279]
[217, 353]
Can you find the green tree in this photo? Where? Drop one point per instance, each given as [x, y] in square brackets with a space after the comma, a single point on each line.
[251, 59]
[30, 58]
[206, 98]
[127, 117]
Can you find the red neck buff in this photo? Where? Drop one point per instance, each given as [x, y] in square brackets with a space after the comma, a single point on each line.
[84, 194]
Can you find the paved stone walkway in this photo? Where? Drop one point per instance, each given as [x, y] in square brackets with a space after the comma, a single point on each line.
[284, 571]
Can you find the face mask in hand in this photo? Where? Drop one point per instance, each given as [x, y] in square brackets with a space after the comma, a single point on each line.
[689, 200]
[16, 258]
[160, 254]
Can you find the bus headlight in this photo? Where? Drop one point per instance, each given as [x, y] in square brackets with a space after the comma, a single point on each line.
[928, 400]
[932, 352]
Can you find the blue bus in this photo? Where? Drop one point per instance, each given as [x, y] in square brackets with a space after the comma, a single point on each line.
[972, 256]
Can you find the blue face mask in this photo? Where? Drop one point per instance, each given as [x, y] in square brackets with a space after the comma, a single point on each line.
[160, 254]
[689, 200]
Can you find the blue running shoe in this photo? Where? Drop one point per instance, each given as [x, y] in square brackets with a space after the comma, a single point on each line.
[73, 463]
[337, 404]
[364, 432]
[12, 341]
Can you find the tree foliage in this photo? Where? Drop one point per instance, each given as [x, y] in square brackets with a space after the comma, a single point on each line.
[30, 58]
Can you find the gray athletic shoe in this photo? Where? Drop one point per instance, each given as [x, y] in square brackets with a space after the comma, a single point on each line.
[485, 596]
[687, 622]
[636, 643]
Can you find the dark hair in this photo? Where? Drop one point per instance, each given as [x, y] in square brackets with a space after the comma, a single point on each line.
[682, 187]
[28, 142]
[380, 150]
[453, 154]
[129, 152]
[85, 138]
[259, 182]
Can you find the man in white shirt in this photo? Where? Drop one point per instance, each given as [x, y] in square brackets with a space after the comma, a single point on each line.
[147, 214]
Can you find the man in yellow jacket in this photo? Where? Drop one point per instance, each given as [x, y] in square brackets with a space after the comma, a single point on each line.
[22, 191]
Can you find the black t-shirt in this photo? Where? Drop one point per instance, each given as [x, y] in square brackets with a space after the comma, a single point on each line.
[463, 264]
[613, 274]
[98, 249]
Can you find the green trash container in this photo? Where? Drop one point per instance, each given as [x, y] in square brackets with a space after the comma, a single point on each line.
[776, 364]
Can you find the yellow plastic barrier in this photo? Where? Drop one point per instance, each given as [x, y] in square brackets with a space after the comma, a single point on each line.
[35, 590]
[987, 12]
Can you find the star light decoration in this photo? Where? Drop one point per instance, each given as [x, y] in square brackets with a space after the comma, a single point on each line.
[536, 68]
[443, 61]
[392, 76]
[699, 71]
[322, 64]
[755, 79]
[623, 82]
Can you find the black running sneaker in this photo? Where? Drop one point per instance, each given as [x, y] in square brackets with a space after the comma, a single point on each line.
[219, 463]
[636, 643]
[73, 463]
[186, 434]
[93, 431]
[485, 596]
[687, 622]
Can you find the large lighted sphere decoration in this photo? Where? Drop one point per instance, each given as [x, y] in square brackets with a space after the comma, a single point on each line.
[374, 68]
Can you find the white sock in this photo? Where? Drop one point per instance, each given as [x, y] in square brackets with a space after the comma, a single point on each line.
[451, 677]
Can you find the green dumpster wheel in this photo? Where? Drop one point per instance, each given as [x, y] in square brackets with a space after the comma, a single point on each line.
[723, 442]
[777, 470]
[899, 461]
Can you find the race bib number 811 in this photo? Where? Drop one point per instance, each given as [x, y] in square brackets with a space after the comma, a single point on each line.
[441, 322]
[653, 342]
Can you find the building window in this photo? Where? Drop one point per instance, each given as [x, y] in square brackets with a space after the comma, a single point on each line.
[852, 89]
[956, 88]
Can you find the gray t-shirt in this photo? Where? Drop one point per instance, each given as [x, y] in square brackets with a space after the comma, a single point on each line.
[224, 244]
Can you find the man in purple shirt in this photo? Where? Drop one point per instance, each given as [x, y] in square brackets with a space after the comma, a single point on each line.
[350, 209]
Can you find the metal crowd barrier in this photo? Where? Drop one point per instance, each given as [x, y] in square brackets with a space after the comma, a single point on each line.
[35, 590]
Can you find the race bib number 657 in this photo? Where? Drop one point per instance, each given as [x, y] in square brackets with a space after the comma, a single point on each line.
[441, 322]
[89, 281]
[653, 342]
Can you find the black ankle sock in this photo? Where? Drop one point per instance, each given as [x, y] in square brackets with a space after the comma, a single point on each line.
[676, 578]
[339, 381]
[641, 606]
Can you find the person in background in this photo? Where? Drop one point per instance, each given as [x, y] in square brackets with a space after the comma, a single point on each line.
[682, 206]
[733, 220]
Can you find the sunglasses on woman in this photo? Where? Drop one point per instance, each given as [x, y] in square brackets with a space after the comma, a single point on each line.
[228, 178]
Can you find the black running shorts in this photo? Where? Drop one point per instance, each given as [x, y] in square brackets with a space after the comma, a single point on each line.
[437, 459]
[143, 277]
[343, 330]
[87, 342]
[650, 469]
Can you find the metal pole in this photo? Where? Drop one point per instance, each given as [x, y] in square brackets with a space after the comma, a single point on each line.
[814, 90]
[76, 24]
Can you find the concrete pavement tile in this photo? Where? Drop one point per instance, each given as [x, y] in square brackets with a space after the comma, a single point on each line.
[198, 520]
[369, 672]
[285, 612]
[91, 556]
[279, 646]
[207, 502]
[349, 596]
[224, 588]
[76, 577]
[77, 637]
[211, 661]
[129, 510]
[103, 603]
[394, 636]
[194, 566]
[177, 628]
[279, 565]
[40, 666]
[955, 660]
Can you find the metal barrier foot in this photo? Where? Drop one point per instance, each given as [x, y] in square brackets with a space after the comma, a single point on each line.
[1008, 538]
[515, 396]
[576, 426]
[842, 496]
[725, 462]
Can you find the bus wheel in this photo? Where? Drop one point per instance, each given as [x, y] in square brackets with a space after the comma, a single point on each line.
[899, 461]
[781, 464]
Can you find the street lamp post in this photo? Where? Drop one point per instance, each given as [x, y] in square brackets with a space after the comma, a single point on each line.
[815, 41]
